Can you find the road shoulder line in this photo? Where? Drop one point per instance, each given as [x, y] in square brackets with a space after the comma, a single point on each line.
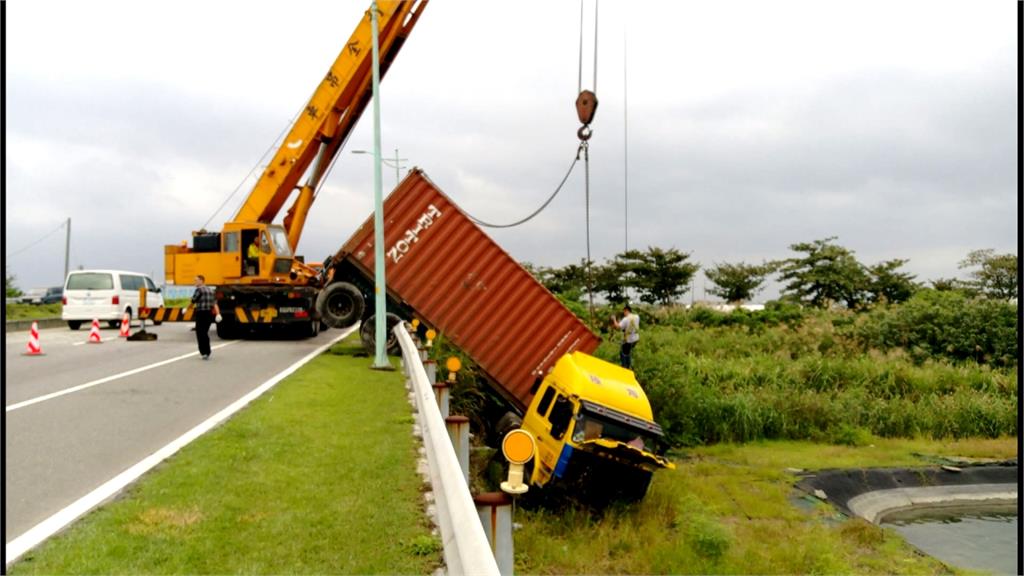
[40, 532]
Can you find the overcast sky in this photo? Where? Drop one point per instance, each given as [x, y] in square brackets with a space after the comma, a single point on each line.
[746, 127]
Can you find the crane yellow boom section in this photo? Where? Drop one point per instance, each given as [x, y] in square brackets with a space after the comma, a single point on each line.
[327, 120]
[253, 250]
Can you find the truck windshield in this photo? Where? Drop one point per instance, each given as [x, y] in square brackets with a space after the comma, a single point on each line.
[280, 240]
[591, 427]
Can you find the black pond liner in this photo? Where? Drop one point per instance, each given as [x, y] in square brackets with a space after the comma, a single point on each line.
[841, 486]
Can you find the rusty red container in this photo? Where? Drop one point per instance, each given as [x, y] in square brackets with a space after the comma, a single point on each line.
[460, 282]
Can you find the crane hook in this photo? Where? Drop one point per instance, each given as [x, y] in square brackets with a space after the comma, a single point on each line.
[586, 106]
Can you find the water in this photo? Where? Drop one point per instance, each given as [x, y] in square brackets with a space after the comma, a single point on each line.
[976, 538]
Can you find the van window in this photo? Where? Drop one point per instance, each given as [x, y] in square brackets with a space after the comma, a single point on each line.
[91, 281]
[149, 284]
[545, 401]
[561, 414]
[131, 282]
[231, 242]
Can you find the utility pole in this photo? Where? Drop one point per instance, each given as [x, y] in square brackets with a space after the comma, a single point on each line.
[380, 361]
[67, 250]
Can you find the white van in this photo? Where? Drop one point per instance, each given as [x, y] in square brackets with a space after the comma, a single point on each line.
[106, 295]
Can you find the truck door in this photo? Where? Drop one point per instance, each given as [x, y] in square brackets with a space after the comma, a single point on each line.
[231, 255]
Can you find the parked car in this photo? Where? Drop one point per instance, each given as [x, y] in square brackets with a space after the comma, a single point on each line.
[54, 295]
[32, 296]
[106, 295]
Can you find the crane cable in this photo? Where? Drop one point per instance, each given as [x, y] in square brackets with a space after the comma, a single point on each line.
[586, 106]
[535, 212]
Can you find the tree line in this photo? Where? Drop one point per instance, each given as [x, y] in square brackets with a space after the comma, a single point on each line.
[821, 274]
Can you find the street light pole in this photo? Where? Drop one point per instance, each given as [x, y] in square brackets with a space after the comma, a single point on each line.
[388, 162]
[380, 361]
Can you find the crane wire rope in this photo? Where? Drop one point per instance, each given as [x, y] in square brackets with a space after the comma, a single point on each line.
[535, 212]
[585, 148]
[273, 146]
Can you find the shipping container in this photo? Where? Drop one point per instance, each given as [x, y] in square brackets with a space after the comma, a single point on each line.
[456, 279]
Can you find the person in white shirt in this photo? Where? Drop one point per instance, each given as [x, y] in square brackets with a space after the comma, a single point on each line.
[630, 326]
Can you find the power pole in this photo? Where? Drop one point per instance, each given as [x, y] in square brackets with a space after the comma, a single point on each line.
[67, 250]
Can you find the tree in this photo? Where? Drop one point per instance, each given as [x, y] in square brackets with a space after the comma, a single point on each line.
[570, 281]
[10, 290]
[611, 280]
[887, 285]
[739, 282]
[658, 275]
[828, 274]
[997, 277]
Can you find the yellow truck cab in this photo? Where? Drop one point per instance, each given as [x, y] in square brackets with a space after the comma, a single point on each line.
[594, 430]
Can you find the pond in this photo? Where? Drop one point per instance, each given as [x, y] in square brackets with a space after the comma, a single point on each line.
[975, 538]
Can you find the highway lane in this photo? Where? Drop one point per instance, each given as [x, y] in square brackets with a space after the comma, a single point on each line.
[60, 449]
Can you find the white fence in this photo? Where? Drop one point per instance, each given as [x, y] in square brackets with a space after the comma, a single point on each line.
[466, 549]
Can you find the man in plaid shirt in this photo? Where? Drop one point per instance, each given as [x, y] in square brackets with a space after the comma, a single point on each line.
[206, 312]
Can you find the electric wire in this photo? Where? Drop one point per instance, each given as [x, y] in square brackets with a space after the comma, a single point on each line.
[535, 212]
[47, 235]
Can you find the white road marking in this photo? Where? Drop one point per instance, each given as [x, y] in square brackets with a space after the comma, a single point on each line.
[81, 387]
[40, 532]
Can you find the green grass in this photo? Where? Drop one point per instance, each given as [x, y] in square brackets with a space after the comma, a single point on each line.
[31, 311]
[731, 509]
[317, 476]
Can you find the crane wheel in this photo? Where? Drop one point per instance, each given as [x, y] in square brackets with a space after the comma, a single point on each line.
[340, 304]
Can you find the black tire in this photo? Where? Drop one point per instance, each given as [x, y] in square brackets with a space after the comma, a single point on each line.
[114, 323]
[507, 423]
[227, 330]
[368, 334]
[74, 324]
[340, 305]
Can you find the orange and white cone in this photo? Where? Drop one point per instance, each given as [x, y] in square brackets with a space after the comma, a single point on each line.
[94, 334]
[126, 324]
[34, 349]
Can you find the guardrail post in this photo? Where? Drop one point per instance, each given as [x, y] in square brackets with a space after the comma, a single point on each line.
[442, 392]
[431, 367]
[424, 353]
[458, 431]
[495, 509]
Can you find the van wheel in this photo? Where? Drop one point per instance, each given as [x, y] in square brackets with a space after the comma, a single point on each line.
[74, 324]
[114, 323]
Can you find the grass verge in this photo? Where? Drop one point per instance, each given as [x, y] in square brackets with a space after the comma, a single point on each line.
[316, 476]
[731, 509]
[31, 311]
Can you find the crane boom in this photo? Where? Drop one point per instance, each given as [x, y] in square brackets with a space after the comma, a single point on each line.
[327, 120]
[309, 149]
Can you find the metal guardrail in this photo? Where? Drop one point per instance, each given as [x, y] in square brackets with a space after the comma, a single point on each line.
[466, 549]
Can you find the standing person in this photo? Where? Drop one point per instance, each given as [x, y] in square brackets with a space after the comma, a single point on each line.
[206, 311]
[630, 326]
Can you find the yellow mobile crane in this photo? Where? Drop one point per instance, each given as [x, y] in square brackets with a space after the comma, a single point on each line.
[252, 262]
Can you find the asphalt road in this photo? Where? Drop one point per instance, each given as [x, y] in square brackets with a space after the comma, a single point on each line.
[60, 448]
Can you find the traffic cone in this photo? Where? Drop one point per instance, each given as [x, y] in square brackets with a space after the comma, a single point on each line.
[34, 349]
[94, 334]
[126, 324]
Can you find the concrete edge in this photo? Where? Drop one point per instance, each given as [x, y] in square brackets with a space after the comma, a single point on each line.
[22, 325]
[874, 506]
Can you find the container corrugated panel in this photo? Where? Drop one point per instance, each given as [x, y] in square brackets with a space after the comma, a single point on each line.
[459, 281]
